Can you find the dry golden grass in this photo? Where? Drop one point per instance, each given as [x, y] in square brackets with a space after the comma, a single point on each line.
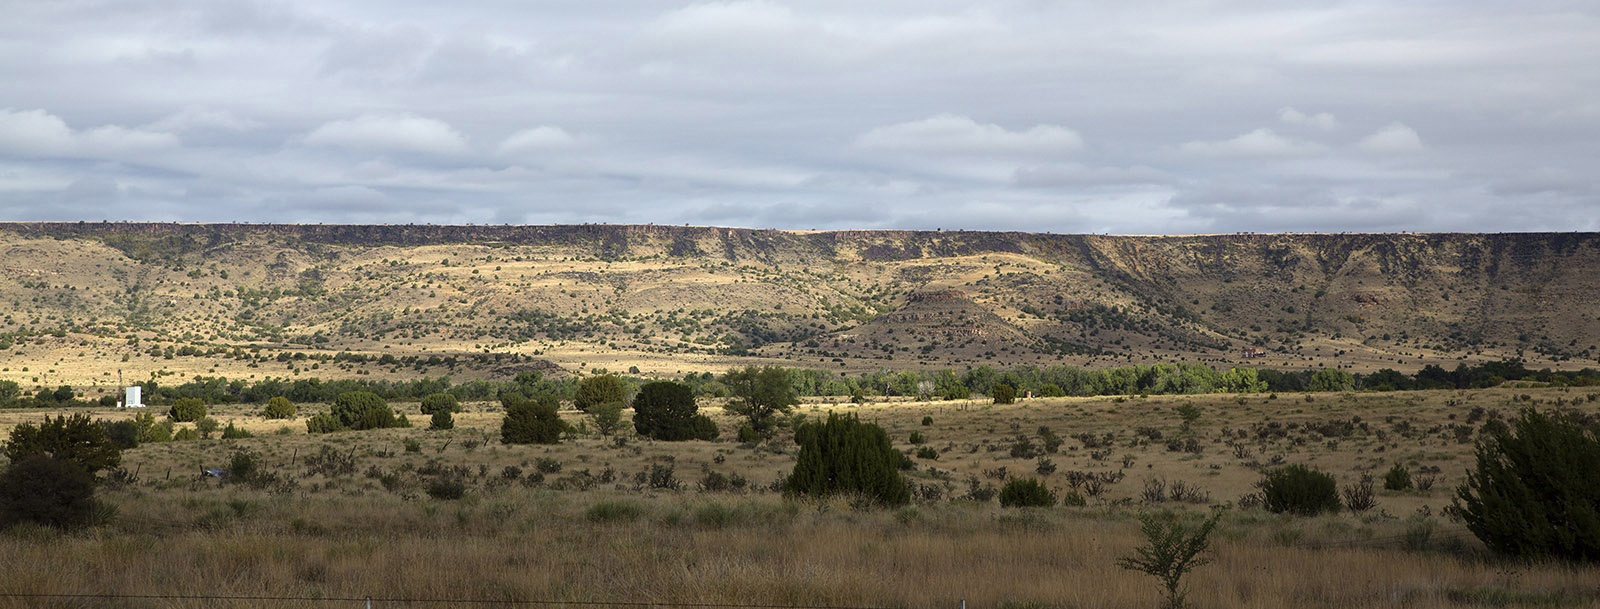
[375, 532]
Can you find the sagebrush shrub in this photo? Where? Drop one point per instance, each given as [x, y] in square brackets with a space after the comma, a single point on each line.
[1300, 490]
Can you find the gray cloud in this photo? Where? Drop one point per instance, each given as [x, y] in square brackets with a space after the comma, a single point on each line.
[1065, 117]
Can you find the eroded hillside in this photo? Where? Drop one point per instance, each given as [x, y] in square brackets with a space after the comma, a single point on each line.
[84, 299]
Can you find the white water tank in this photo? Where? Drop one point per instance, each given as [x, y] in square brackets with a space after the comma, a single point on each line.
[132, 398]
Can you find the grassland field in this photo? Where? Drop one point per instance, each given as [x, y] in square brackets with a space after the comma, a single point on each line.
[598, 518]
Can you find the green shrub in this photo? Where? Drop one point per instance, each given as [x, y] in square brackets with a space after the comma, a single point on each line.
[1026, 492]
[1534, 492]
[596, 390]
[76, 440]
[446, 489]
[1300, 490]
[279, 408]
[442, 419]
[185, 434]
[845, 456]
[356, 410]
[917, 438]
[1005, 394]
[125, 434]
[665, 410]
[927, 452]
[606, 417]
[748, 434]
[440, 402]
[1398, 479]
[207, 426]
[704, 428]
[614, 511]
[323, 423]
[230, 432]
[46, 490]
[243, 467]
[531, 421]
[1172, 550]
[927, 420]
[186, 410]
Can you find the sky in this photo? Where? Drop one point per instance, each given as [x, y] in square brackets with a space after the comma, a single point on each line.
[1139, 117]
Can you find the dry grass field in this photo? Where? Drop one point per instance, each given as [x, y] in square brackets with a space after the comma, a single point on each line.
[599, 518]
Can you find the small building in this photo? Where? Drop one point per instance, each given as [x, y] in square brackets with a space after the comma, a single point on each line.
[132, 397]
[1253, 353]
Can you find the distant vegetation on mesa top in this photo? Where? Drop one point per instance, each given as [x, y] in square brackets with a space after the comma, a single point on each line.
[145, 293]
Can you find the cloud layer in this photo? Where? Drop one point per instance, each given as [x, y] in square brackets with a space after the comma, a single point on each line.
[1062, 117]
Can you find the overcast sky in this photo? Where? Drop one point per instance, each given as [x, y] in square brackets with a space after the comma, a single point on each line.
[1038, 115]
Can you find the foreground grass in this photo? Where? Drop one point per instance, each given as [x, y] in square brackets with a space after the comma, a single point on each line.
[522, 544]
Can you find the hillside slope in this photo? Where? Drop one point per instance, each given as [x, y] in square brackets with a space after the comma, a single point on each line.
[84, 299]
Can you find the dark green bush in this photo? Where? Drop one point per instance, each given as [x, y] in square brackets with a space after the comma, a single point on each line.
[279, 408]
[1300, 490]
[665, 410]
[1005, 394]
[704, 428]
[125, 434]
[917, 438]
[845, 456]
[230, 432]
[45, 490]
[1398, 479]
[442, 419]
[185, 410]
[356, 410]
[531, 421]
[440, 402]
[927, 452]
[445, 488]
[748, 434]
[76, 440]
[1026, 492]
[1534, 492]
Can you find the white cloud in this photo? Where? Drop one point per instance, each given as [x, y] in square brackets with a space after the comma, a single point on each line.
[193, 118]
[393, 133]
[1321, 120]
[959, 135]
[543, 137]
[40, 133]
[1262, 142]
[1394, 138]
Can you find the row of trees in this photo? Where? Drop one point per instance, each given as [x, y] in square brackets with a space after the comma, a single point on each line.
[1047, 381]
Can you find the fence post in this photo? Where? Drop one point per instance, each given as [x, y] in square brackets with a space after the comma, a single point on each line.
[369, 602]
[963, 604]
